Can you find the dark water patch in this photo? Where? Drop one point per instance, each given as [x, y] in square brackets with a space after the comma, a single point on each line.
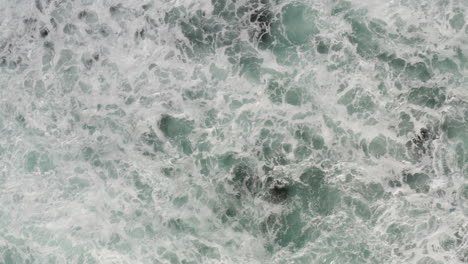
[44, 32]
[363, 38]
[140, 34]
[272, 151]
[288, 229]
[88, 16]
[378, 146]
[299, 22]
[394, 183]
[173, 127]
[70, 29]
[201, 30]
[245, 179]
[304, 134]
[276, 91]
[152, 140]
[262, 19]
[419, 71]
[358, 102]
[417, 181]
[421, 144]
[250, 67]
[278, 190]
[145, 190]
[314, 178]
[406, 125]
[39, 6]
[341, 7]
[323, 45]
[431, 97]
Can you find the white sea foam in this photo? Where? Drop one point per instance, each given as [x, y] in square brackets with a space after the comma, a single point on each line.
[161, 131]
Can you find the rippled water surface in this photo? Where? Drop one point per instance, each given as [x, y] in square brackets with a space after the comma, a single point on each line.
[234, 131]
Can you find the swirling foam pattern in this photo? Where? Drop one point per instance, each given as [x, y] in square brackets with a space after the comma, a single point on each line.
[234, 131]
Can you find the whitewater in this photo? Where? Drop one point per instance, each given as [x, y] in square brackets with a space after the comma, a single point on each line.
[234, 131]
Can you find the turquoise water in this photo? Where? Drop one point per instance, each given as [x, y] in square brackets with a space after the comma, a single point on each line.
[234, 131]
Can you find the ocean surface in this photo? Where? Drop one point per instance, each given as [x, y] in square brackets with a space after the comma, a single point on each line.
[234, 131]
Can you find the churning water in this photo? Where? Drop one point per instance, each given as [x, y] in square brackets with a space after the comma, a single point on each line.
[234, 131]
